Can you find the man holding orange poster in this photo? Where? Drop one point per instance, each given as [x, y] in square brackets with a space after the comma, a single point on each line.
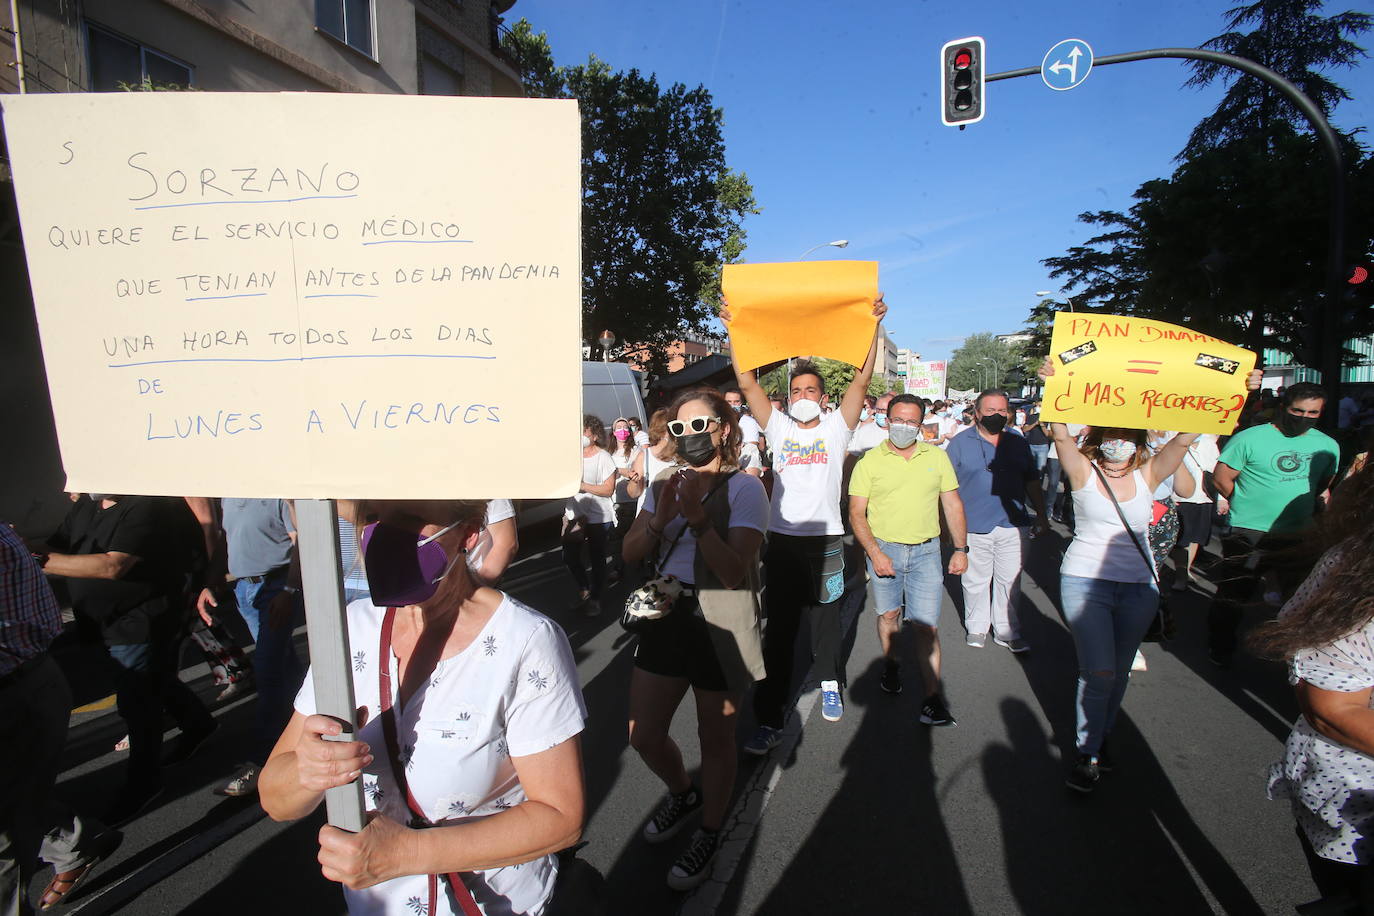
[805, 554]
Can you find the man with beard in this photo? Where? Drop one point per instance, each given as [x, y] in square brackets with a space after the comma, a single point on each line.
[1274, 475]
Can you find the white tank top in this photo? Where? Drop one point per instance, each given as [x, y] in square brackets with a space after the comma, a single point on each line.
[1101, 548]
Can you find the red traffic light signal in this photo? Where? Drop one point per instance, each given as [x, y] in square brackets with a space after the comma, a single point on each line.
[961, 81]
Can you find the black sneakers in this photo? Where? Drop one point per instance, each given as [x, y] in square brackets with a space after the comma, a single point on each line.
[1105, 762]
[891, 681]
[934, 712]
[692, 867]
[1084, 775]
[671, 815]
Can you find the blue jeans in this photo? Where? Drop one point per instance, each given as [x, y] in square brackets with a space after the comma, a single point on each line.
[1041, 454]
[1108, 620]
[918, 583]
[276, 667]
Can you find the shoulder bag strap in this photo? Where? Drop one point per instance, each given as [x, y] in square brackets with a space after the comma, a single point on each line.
[1149, 563]
[398, 769]
[705, 499]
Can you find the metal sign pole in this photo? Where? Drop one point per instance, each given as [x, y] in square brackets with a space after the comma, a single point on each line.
[317, 522]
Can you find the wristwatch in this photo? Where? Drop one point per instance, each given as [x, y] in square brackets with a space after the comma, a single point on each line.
[961, 550]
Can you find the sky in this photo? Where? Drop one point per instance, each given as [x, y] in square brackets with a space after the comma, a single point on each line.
[833, 110]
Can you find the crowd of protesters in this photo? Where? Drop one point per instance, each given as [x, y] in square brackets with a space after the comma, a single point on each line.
[728, 515]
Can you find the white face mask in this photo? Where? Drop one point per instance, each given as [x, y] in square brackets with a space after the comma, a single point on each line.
[805, 410]
[586, 441]
[1118, 449]
[903, 436]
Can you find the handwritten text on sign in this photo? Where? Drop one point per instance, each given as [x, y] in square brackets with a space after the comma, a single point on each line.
[1140, 374]
[304, 295]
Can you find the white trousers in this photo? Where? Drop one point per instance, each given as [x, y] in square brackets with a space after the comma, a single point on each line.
[993, 581]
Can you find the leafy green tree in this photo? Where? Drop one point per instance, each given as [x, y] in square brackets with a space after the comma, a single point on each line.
[661, 211]
[983, 361]
[1233, 244]
[1293, 39]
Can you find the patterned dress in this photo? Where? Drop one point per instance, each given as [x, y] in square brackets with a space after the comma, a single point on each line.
[1331, 786]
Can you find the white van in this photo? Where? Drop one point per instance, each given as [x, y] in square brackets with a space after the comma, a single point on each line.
[609, 391]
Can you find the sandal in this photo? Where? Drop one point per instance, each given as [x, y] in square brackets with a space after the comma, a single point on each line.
[61, 886]
[122, 744]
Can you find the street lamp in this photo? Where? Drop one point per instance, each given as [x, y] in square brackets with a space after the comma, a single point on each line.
[1044, 292]
[607, 340]
[838, 243]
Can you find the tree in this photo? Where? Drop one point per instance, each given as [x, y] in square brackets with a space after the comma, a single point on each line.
[1233, 244]
[982, 361]
[661, 211]
[1290, 38]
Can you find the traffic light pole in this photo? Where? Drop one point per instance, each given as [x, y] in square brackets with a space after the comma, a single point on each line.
[1326, 343]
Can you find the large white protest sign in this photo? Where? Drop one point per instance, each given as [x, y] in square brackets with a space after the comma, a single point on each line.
[305, 295]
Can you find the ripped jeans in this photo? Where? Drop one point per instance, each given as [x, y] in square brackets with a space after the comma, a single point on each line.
[1108, 620]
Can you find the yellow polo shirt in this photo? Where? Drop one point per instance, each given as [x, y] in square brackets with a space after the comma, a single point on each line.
[903, 495]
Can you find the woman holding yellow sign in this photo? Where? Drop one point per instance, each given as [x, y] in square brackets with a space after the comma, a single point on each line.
[1109, 585]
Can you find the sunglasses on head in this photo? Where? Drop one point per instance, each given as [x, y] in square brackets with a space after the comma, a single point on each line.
[681, 428]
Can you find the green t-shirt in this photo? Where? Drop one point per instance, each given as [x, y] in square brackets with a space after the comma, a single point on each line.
[1279, 477]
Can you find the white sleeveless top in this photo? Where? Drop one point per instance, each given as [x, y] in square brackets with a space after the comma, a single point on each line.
[1101, 548]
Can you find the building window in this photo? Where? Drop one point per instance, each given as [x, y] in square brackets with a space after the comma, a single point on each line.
[116, 62]
[350, 21]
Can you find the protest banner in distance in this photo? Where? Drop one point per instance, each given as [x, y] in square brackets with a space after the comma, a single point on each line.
[1136, 373]
[926, 380]
[305, 295]
[814, 308]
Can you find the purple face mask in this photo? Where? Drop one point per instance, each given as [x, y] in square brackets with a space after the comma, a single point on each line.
[403, 567]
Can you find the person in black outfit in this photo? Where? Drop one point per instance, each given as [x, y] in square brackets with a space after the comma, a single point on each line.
[130, 562]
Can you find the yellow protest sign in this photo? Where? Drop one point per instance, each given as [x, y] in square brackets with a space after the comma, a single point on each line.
[812, 308]
[305, 294]
[1136, 373]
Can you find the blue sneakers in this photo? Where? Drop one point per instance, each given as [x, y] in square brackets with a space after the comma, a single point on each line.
[832, 707]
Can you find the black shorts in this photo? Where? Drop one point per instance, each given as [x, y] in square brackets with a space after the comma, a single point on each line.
[1195, 523]
[679, 645]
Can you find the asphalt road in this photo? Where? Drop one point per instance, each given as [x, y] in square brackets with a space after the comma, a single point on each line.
[873, 814]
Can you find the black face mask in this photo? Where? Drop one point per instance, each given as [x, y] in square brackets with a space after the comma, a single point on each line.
[1291, 425]
[696, 448]
[994, 423]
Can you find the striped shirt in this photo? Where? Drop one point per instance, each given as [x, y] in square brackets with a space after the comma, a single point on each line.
[29, 616]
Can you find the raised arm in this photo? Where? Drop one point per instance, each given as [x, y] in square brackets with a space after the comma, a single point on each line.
[749, 386]
[1167, 460]
[1076, 466]
[853, 403]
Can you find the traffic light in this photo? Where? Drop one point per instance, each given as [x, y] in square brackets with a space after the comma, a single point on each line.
[961, 82]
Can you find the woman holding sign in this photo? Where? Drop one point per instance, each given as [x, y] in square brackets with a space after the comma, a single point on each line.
[1109, 586]
[469, 723]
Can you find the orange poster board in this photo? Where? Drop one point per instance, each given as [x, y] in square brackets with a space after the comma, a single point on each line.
[817, 308]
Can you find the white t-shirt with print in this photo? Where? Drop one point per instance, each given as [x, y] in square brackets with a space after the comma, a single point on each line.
[808, 465]
[748, 509]
[593, 509]
[512, 693]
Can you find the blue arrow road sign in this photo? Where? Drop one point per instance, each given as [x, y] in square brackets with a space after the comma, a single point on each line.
[1067, 64]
